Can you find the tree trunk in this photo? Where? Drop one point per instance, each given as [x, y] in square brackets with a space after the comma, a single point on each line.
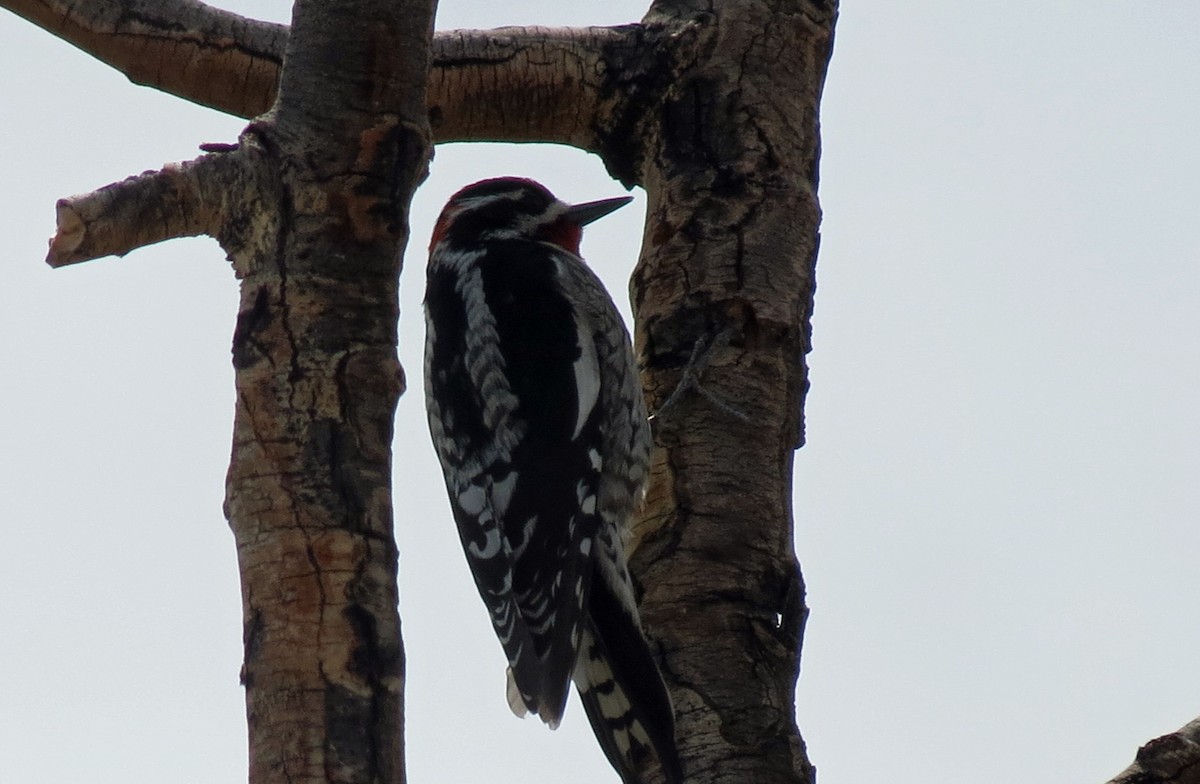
[722, 295]
[714, 113]
[712, 108]
[318, 377]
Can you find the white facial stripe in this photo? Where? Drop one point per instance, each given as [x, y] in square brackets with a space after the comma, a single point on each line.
[475, 202]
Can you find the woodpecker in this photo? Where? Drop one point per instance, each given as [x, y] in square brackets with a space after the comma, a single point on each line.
[538, 419]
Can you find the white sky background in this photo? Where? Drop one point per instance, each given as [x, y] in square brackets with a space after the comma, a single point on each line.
[996, 511]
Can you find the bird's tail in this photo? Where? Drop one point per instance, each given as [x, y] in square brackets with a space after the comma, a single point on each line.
[623, 692]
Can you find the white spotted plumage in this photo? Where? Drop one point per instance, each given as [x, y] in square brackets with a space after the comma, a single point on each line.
[537, 416]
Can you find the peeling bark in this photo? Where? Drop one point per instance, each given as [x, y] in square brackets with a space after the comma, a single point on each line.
[714, 112]
[727, 274]
[713, 109]
[318, 378]
[311, 206]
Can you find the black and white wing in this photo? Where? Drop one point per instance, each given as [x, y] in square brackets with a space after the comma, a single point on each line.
[512, 382]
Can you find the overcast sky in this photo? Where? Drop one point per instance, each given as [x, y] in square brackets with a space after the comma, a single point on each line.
[996, 510]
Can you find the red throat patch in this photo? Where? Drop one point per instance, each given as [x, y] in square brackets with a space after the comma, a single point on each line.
[564, 234]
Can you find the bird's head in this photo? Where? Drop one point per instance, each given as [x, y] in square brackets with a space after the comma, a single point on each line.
[516, 208]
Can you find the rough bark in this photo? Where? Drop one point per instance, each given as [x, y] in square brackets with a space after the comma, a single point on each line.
[713, 109]
[722, 296]
[318, 377]
[524, 84]
[311, 205]
[213, 57]
[714, 113]
[1171, 759]
[181, 200]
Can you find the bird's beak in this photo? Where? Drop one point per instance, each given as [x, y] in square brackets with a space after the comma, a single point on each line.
[583, 214]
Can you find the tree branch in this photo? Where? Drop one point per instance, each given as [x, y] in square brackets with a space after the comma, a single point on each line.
[521, 84]
[524, 84]
[1171, 759]
[210, 56]
[180, 200]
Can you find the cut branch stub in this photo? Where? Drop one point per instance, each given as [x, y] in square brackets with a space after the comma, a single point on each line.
[180, 200]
